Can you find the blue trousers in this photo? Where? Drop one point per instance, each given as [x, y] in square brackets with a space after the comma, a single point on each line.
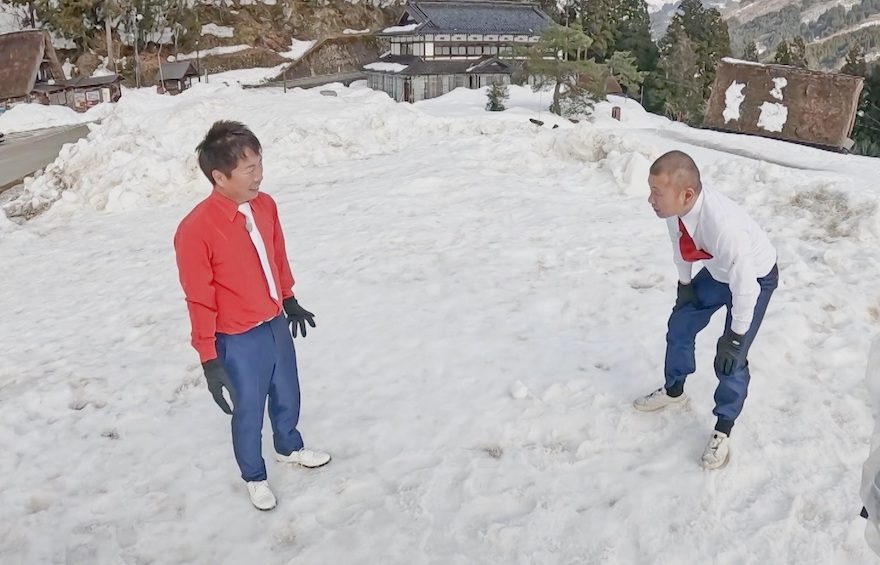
[686, 322]
[261, 363]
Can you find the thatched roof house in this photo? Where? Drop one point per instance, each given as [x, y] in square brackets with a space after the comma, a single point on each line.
[28, 60]
[783, 102]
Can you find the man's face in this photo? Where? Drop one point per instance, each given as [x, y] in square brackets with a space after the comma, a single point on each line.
[243, 183]
[667, 198]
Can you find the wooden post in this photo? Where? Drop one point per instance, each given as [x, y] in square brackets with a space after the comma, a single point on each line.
[615, 113]
[110, 57]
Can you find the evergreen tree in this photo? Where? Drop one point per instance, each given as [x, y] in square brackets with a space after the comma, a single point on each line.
[866, 132]
[799, 52]
[707, 36]
[632, 33]
[681, 92]
[560, 59]
[855, 62]
[597, 19]
[783, 54]
[497, 94]
[750, 53]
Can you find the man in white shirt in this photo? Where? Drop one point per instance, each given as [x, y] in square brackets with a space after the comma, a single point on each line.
[739, 272]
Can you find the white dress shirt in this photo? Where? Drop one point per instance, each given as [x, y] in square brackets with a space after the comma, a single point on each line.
[251, 226]
[741, 251]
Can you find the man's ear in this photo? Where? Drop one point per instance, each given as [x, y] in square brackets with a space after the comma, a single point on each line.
[219, 178]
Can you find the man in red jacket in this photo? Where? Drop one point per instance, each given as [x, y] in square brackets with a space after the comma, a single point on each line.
[239, 291]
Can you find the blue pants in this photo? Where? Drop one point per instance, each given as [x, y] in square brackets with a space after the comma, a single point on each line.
[261, 363]
[686, 322]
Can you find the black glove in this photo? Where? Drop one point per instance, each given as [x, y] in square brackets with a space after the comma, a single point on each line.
[685, 296]
[217, 379]
[730, 352]
[297, 316]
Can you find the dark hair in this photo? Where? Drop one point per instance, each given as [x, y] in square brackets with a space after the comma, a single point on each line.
[680, 167]
[224, 145]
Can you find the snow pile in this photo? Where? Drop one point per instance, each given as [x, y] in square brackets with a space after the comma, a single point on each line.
[218, 31]
[224, 50]
[298, 48]
[400, 29]
[348, 31]
[248, 76]
[25, 117]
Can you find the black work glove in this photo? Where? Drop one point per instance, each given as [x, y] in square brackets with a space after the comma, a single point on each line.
[217, 379]
[730, 352]
[297, 316]
[685, 296]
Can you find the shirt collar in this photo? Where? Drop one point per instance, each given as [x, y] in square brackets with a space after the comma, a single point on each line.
[692, 219]
[227, 206]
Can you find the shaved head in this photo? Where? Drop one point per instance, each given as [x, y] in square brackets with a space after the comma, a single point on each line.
[679, 168]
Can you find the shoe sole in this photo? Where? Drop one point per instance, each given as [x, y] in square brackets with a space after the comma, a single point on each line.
[265, 509]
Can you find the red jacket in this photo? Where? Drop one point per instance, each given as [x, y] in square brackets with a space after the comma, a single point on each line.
[220, 270]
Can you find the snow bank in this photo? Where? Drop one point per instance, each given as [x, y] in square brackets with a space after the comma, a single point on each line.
[218, 31]
[223, 50]
[25, 117]
[298, 48]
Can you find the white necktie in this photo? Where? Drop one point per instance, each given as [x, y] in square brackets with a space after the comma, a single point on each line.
[251, 225]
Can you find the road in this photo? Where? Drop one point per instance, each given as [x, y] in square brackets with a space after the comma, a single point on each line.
[24, 153]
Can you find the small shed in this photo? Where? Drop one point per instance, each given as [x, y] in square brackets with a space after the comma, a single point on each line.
[30, 68]
[85, 92]
[783, 102]
[175, 77]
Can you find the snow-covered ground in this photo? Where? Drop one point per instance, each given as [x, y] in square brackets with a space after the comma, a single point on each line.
[24, 117]
[490, 296]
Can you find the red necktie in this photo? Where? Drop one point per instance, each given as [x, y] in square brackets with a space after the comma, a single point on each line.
[689, 251]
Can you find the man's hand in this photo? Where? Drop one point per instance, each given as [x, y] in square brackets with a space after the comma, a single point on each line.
[297, 316]
[217, 379]
[730, 352]
[685, 296]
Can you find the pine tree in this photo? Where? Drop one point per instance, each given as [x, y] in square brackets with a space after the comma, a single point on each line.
[622, 67]
[560, 59]
[497, 94]
[783, 54]
[554, 61]
[855, 62]
[675, 77]
[597, 19]
[633, 33]
[866, 132]
[799, 52]
[750, 53]
[707, 35]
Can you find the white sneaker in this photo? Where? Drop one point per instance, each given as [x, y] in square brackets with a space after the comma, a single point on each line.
[657, 400]
[261, 495]
[309, 458]
[717, 452]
